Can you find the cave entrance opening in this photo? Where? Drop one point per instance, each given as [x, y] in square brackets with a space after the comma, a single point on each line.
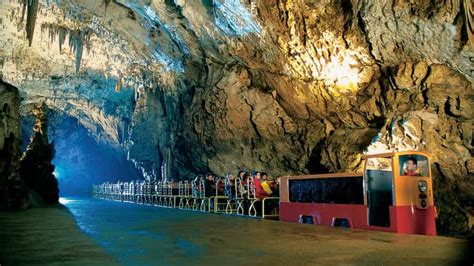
[82, 158]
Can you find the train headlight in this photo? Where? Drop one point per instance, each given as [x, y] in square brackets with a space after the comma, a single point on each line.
[422, 186]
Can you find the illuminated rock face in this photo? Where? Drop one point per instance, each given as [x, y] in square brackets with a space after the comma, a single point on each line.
[190, 86]
[36, 164]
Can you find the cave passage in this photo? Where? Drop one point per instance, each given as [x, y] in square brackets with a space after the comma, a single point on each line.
[135, 234]
[162, 102]
[80, 160]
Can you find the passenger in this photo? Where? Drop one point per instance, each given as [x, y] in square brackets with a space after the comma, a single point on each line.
[230, 186]
[243, 179]
[197, 187]
[411, 167]
[266, 184]
[275, 186]
[209, 186]
[259, 192]
[243, 175]
[220, 186]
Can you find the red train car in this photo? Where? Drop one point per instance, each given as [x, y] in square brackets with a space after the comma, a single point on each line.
[393, 194]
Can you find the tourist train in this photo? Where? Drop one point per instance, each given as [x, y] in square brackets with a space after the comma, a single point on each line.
[393, 193]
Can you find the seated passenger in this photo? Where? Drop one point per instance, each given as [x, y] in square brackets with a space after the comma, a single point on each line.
[275, 186]
[243, 183]
[220, 186]
[209, 186]
[196, 188]
[266, 184]
[411, 167]
[230, 186]
[265, 176]
[259, 191]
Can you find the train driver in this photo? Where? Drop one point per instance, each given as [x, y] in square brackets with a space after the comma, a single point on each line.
[411, 167]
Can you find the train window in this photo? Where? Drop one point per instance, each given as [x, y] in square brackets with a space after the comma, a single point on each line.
[379, 164]
[414, 165]
[340, 190]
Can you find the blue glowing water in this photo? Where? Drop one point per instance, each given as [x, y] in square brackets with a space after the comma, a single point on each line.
[145, 235]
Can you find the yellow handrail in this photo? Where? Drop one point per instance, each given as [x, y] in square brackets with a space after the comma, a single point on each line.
[263, 207]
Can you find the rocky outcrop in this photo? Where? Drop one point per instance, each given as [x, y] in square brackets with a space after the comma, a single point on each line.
[283, 86]
[36, 165]
[433, 113]
[12, 188]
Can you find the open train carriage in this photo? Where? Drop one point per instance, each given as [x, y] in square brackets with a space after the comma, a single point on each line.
[387, 196]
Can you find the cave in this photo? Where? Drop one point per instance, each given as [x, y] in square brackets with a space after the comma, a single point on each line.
[80, 158]
[121, 122]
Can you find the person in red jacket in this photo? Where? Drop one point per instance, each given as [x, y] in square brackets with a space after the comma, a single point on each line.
[259, 191]
[412, 167]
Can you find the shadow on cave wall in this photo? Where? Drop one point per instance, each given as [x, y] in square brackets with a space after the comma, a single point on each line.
[314, 164]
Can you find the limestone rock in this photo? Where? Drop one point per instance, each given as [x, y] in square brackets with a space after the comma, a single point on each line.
[13, 190]
[36, 168]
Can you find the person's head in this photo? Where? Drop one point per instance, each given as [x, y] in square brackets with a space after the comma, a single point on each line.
[241, 174]
[209, 176]
[258, 175]
[412, 163]
[199, 178]
[264, 176]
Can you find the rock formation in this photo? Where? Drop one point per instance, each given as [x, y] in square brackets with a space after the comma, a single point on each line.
[284, 86]
[12, 189]
[36, 167]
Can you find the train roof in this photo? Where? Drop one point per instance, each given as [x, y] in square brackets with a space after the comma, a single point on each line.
[375, 155]
[395, 153]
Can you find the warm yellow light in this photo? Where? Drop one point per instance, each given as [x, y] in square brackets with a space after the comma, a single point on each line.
[329, 60]
[342, 71]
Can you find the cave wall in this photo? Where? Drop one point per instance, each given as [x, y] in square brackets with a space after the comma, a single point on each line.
[288, 87]
[13, 191]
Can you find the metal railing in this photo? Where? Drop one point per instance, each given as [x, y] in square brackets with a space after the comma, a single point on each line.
[230, 196]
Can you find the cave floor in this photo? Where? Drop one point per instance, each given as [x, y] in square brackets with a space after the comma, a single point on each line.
[90, 231]
[47, 236]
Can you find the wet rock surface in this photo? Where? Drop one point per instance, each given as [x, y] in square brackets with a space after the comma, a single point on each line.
[286, 87]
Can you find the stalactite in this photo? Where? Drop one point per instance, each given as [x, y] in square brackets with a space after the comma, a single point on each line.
[51, 30]
[76, 44]
[33, 6]
[106, 3]
[62, 37]
[23, 10]
[79, 49]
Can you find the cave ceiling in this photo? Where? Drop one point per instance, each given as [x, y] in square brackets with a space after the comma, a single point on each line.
[283, 86]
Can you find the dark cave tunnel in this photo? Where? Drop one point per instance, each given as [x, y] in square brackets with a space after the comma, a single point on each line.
[80, 159]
